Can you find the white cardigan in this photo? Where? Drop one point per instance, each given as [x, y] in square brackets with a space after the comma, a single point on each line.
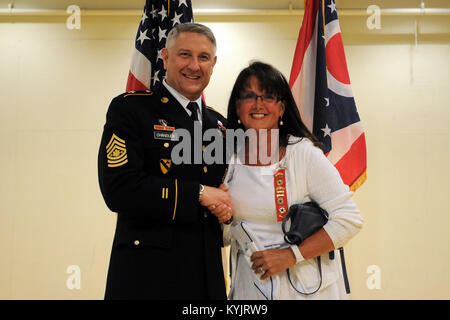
[310, 176]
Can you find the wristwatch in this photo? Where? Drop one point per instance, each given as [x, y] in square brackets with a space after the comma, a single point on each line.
[201, 189]
[298, 255]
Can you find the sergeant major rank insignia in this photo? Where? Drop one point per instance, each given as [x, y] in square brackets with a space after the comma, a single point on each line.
[116, 152]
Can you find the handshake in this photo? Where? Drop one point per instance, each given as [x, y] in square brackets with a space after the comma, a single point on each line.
[218, 201]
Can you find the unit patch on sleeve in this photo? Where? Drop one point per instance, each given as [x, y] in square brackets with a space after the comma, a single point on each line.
[116, 152]
[165, 165]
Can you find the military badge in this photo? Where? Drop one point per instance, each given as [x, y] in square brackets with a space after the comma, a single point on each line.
[162, 131]
[116, 152]
[163, 128]
[165, 193]
[165, 165]
[221, 126]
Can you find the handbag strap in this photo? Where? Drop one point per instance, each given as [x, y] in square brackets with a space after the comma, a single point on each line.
[283, 223]
[344, 273]
[344, 270]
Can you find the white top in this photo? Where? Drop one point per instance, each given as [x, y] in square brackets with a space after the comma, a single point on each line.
[250, 183]
[309, 176]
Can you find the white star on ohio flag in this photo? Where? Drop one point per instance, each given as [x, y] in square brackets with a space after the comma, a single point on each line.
[326, 131]
[332, 6]
[182, 2]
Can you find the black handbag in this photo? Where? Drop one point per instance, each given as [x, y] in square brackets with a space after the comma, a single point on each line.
[306, 219]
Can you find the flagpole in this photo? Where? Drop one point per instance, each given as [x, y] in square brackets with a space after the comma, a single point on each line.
[323, 15]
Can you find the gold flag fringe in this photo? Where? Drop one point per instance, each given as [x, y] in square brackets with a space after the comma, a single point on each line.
[359, 182]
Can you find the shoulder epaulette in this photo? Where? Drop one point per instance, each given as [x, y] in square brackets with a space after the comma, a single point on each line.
[138, 93]
[212, 109]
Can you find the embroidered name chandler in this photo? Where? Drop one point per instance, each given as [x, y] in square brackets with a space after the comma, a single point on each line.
[199, 310]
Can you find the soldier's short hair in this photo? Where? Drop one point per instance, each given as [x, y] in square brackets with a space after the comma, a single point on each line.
[190, 27]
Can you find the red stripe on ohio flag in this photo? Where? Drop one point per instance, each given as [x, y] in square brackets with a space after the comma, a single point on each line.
[304, 39]
[353, 164]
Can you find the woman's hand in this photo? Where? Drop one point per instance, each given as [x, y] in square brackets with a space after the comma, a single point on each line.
[222, 211]
[273, 261]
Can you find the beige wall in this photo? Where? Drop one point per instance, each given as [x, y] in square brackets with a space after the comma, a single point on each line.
[55, 87]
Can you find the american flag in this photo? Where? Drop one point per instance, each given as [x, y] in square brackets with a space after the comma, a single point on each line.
[158, 18]
[321, 87]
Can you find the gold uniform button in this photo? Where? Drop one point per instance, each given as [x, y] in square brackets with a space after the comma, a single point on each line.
[136, 242]
[166, 145]
[205, 169]
[203, 147]
[205, 215]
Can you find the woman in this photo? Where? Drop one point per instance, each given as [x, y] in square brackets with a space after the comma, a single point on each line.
[268, 267]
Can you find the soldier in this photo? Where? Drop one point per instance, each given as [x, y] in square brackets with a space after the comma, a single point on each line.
[167, 244]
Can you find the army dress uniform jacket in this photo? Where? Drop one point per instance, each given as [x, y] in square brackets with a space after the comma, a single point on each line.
[166, 245]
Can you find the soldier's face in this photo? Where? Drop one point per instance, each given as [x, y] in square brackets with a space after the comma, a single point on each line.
[189, 63]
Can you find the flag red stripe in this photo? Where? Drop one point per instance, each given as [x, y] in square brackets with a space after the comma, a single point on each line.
[336, 63]
[353, 164]
[304, 38]
[134, 84]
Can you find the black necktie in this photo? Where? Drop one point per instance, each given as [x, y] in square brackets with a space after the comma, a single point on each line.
[193, 107]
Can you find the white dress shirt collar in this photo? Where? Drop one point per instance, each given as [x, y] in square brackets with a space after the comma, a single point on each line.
[184, 101]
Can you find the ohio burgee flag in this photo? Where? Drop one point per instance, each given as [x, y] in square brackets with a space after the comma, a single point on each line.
[321, 87]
